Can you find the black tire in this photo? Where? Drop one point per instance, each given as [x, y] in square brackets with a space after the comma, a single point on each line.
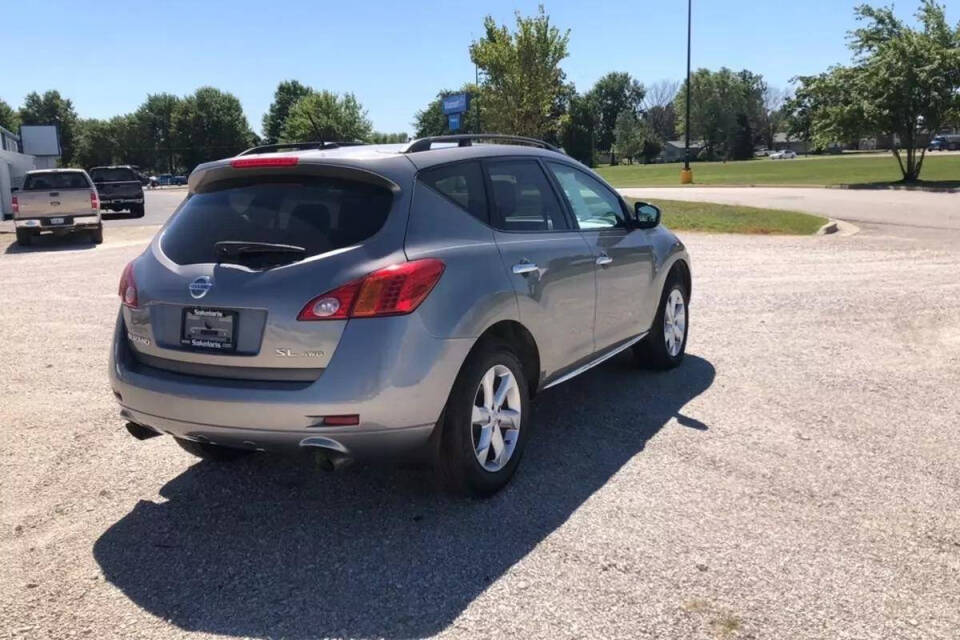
[137, 210]
[214, 452]
[460, 470]
[96, 236]
[652, 351]
[24, 237]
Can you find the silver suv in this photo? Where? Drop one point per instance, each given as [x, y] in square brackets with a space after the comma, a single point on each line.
[371, 301]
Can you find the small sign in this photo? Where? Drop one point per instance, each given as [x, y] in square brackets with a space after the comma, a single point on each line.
[453, 121]
[457, 103]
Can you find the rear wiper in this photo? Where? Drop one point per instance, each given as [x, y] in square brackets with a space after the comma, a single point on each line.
[237, 250]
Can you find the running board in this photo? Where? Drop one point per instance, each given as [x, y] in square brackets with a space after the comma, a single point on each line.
[573, 374]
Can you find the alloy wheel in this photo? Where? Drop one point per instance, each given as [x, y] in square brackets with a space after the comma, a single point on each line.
[495, 418]
[674, 323]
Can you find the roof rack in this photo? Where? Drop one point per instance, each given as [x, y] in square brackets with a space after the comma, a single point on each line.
[467, 139]
[270, 148]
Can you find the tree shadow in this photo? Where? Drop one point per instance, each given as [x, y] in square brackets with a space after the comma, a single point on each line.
[918, 185]
[269, 547]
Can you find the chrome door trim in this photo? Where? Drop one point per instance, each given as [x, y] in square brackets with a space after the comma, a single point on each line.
[603, 358]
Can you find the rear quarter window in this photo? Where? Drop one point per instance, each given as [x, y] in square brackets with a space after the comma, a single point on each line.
[462, 183]
[318, 214]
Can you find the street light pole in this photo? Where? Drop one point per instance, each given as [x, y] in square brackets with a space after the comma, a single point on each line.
[686, 176]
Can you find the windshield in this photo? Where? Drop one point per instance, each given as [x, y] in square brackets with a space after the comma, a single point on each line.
[119, 174]
[59, 180]
[317, 214]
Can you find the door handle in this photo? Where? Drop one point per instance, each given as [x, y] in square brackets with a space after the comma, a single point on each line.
[525, 267]
[604, 259]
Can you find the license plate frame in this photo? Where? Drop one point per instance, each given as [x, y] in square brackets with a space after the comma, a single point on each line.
[57, 221]
[208, 329]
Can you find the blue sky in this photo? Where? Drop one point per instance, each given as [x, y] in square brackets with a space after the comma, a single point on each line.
[107, 56]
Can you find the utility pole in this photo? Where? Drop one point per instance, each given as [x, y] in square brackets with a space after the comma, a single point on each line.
[686, 176]
[476, 76]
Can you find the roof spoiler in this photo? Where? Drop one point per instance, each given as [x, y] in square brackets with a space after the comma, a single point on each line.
[300, 146]
[467, 140]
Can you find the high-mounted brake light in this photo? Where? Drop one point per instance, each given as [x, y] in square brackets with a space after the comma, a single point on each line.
[394, 290]
[15, 204]
[128, 287]
[94, 201]
[275, 161]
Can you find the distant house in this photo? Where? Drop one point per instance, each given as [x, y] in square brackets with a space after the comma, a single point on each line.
[673, 151]
[781, 141]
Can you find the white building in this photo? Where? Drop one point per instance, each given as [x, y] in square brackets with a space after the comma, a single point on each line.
[13, 166]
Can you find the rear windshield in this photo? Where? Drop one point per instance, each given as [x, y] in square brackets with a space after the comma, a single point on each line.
[113, 175]
[60, 180]
[318, 214]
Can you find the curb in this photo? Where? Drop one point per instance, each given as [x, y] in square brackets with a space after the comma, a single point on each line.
[895, 187]
[830, 227]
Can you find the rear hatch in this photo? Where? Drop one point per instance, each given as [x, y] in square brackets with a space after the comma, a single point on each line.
[55, 195]
[117, 183]
[220, 291]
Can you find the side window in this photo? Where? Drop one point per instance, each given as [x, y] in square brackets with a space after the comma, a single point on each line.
[522, 197]
[593, 204]
[462, 183]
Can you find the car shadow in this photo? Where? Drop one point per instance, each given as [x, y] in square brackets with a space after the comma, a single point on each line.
[270, 547]
[70, 242]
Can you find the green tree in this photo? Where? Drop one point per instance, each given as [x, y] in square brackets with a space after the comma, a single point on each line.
[209, 125]
[275, 119]
[612, 95]
[658, 111]
[524, 89]
[718, 98]
[326, 116]
[378, 137]
[903, 81]
[431, 121]
[96, 144]
[630, 135]
[52, 108]
[153, 131]
[9, 119]
[578, 138]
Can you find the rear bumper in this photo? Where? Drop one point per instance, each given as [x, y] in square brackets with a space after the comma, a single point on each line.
[389, 371]
[42, 225]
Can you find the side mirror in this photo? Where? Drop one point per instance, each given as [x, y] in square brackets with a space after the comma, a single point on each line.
[646, 216]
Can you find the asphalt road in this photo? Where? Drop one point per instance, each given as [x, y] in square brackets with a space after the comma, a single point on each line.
[914, 214]
[796, 477]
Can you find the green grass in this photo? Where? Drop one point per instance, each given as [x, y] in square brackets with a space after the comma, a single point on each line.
[816, 170]
[723, 218]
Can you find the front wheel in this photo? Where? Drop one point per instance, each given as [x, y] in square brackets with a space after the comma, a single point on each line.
[665, 345]
[214, 452]
[486, 422]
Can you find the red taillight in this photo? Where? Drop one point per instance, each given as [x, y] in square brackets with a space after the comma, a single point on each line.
[341, 421]
[394, 290]
[128, 287]
[15, 204]
[252, 163]
[94, 201]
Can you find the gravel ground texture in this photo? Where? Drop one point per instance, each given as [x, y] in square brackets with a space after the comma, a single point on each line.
[796, 477]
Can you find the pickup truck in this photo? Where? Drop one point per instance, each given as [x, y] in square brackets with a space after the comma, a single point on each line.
[119, 188]
[57, 202]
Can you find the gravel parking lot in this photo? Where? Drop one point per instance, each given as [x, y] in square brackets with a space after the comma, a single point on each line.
[797, 477]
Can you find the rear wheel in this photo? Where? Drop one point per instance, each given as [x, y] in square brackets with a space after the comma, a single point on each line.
[486, 422]
[96, 236]
[665, 345]
[137, 210]
[213, 452]
[24, 237]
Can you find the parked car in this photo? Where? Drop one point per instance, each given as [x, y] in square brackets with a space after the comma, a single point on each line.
[178, 180]
[120, 189]
[409, 300]
[56, 202]
[945, 142]
[165, 179]
[784, 154]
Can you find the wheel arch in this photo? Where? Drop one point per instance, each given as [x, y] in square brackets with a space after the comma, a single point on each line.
[518, 337]
[681, 269]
